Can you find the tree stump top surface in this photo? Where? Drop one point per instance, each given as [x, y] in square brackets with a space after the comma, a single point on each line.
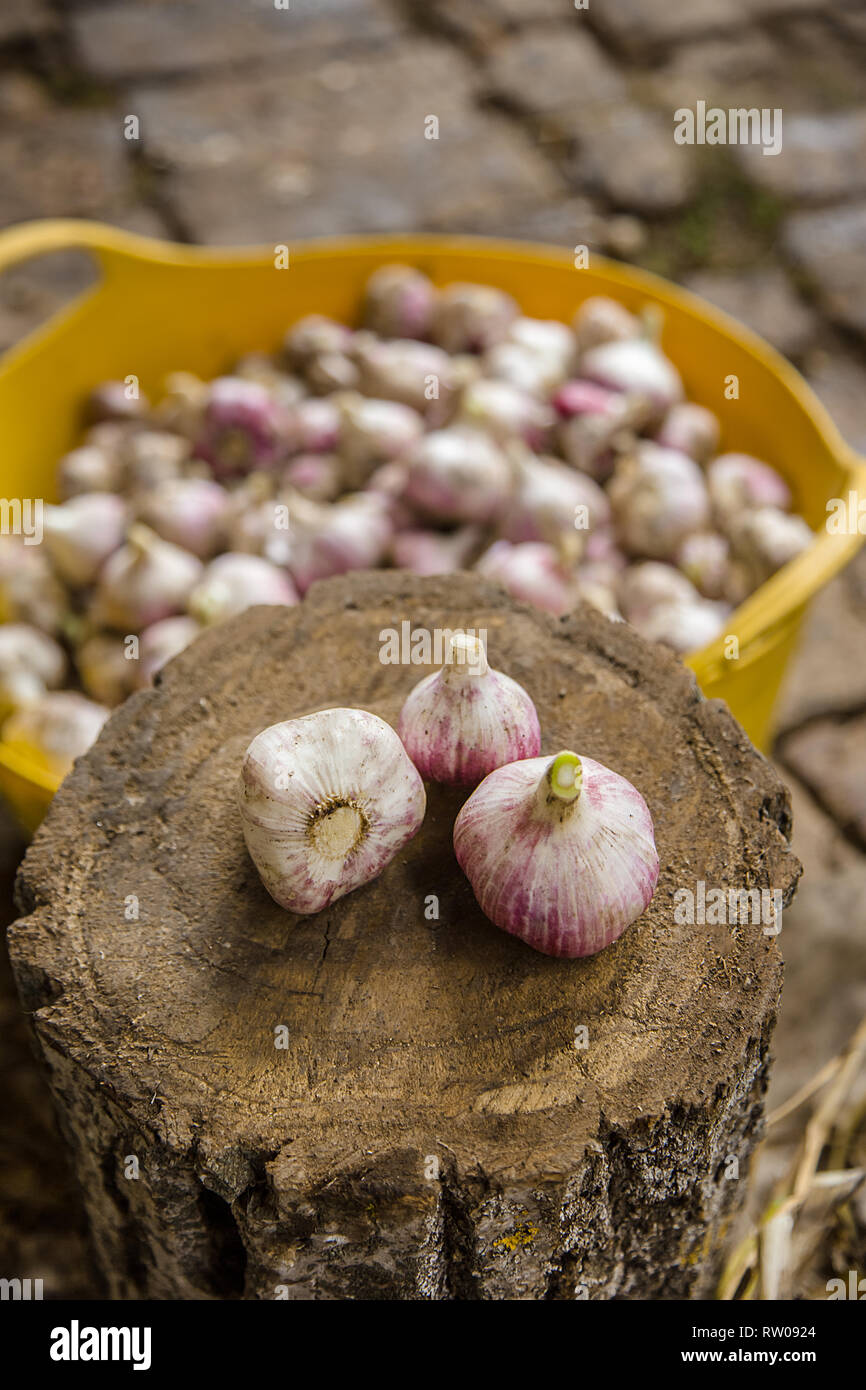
[402, 1033]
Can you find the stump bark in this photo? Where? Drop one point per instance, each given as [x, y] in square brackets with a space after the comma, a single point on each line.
[378, 1102]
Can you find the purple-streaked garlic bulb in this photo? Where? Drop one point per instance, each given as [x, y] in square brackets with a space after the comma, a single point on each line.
[243, 428]
[467, 719]
[326, 802]
[472, 318]
[738, 483]
[373, 432]
[316, 476]
[706, 558]
[532, 573]
[767, 539]
[189, 512]
[316, 425]
[353, 534]
[151, 457]
[235, 581]
[54, 730]
[684, 626]
[81, 534]
[399, 302]
[659, 497]
[162, 641]
[506, 412]
[415, 374]
[551, 501]
[594, 422]
[643, 588]
[435, 552]
[115, 400]
[31, 662]
[145, 580]
[636, 367]
[692, 429]
[457, 474]
[30, 592]
[88, 469]
[601, 320]
[559, 852]
[107, 672]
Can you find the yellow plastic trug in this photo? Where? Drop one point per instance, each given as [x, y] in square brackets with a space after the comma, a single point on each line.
[160, 307]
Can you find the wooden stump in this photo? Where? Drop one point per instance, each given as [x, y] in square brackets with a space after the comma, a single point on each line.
[372, 1102]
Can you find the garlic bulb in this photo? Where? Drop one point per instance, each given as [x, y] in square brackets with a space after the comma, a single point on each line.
[472, 318]
[54, 730]
[353, 534]
[767, 539]
[189, 512]
[316, 425]
[532, 573]
[506, 412]
[643, 588]
[692, 429]
[684, 626]
[457, 474]
[161, 641]
[706, 558]
[182, 403]
[151, 457]
[466, 719]
[559, 851]
[637, 367]
[29, 590]
[30, 663]
[82, 533]
[326, 801]
[602, 320]
[316, 476]
[398, 302]
[550, 501]
[314, 335]
[738, 483]
[147, 579]
[658, 497]
[107, 673]
[243, 427]
[372, 432]
[88, 469]
[112, 401]
[435, 552]
[595, 422]
[415, 374]
[234, 582]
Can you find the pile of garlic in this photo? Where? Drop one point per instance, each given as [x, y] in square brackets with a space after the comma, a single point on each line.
[559, 851]
[448, 432]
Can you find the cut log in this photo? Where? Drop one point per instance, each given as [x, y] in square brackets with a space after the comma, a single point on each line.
[394, 1099]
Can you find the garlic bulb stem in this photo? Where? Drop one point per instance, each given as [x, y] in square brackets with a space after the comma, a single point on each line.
[564, 778]
[465, 656]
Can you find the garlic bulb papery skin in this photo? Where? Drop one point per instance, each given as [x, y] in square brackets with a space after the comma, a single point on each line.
[145, 580]
[435, 552]
[111, 400]
[767, 539]
[533, 573]
[31, 662]
[737, 483]
[353, 534]
[316, 425]
[88, 469]
[643, 588]
[326, 802]
[467, 719]
[234, 582]
[551, 500]
[415, 374]
[595, 422]
[560, 852]
[152, 457]
[684, 626]
[106, 672]
[160, 642]
[54, 730]
[472, 318]
[374, 432]
[399, 302]
[189, 512]
[81, 534]
[457, 474]
[314, 335]
[316, 476]
[30, 592]
[706, 558]
[243, 428]
[659, 497]
[692, 429]
[637, 367]
[506, 412]
[601, 320]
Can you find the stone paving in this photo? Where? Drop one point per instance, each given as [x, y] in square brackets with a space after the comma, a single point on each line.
[260, 124]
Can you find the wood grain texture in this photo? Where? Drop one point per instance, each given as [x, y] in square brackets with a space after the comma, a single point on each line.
[430, 1130]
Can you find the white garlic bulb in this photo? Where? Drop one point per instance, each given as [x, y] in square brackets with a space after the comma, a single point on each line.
[162, 641]
[147, 579]
[235, 581]
[54, 730]
[457, 474]
[82, 533]
[326, 801]
[601, 320]
[31, 662]
[189, 512]
[532, 572]
[658, 497]
[466, 719]
[107, 672]
[559, 851]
